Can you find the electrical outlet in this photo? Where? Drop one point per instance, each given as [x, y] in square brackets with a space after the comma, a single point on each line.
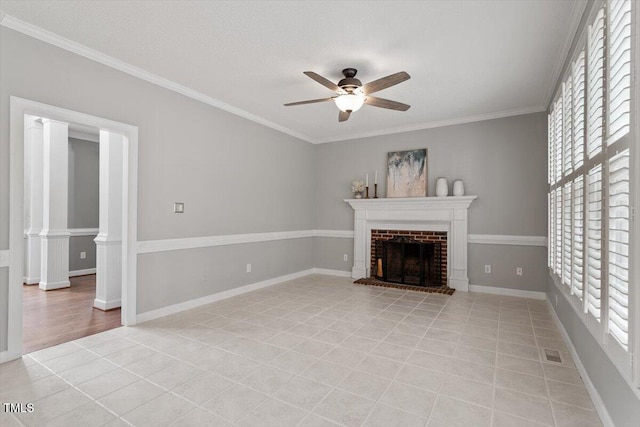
[248, 268]
[487, 269]
[178, 207]
[345, 258]
[83, 255]
[519, 271]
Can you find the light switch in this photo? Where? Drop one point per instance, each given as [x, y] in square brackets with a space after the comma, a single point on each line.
[178, 207]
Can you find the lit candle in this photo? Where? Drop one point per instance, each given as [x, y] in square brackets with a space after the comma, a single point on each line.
[367, 180]
[376, 179]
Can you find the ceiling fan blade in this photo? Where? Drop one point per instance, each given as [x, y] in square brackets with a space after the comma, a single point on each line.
[385, 103]
[324, 82]
[343, 116]
[385, 82]
[311, 101]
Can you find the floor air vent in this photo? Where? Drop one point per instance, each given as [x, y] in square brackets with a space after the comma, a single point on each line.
[552, 356]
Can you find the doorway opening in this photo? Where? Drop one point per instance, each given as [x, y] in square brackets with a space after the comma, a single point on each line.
[55, 239]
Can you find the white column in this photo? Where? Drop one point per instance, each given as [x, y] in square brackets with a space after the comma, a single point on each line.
[359, 269]
[34, 145]
[109, 239]
[54, 243]
[457, 258]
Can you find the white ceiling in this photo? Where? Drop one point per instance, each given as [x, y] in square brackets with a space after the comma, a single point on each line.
[468, 60]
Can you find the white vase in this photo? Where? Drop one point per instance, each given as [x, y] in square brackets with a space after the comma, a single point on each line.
[458, 188]
[442, 187]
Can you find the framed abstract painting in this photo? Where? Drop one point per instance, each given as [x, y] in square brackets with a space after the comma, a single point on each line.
[407, 173]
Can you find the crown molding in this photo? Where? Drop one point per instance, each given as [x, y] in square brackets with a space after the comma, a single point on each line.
[84, 51]
[437, 124]
[573, 24]
[94, 55]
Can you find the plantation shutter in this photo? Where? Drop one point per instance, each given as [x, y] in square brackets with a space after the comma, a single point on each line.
[558, 244]
[578, 110]
[567, 201]
[558, 139]
[552, 230]
[619, 69]
[594, 236]
[595, 85]
[567, 134]
[578, 237]
[619, 214]
[550, 148]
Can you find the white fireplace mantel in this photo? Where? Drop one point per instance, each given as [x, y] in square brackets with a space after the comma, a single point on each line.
[418, 214]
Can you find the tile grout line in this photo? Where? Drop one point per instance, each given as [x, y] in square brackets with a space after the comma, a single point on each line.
[317, 297]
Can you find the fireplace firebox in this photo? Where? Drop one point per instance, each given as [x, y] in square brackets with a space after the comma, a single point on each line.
[407, 261]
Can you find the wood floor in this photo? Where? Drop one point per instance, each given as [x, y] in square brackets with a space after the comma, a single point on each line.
[55, 317]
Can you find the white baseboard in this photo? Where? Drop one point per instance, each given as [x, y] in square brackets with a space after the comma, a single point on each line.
[507, 292]
[54, 285]
[4, 356]
[30, 280]
[4, 258]
[187, 305]
[591, 389]
[329, 272]
[82, 272]
[106, 305]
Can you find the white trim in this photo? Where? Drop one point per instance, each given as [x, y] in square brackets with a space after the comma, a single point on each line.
[163, 245]
[50, 286]
[573, 24]
[591, 389]
[340, 234]
[106, 305]
[75, 232]
[84, 272]
[109, 61]
[507, 292]
[436, 124]
[17, 110]
[500, 239]
[31, 280]
[149, 246]
[187, 305]
[329, 272]
[4, 258]
[4, 356]
[85, 136]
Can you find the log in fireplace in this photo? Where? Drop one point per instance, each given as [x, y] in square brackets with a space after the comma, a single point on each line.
[409, 262]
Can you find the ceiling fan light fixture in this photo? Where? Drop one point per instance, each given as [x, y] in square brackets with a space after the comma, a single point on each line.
[350, 102]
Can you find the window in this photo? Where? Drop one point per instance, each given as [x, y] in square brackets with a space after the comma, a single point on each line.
[590, 149]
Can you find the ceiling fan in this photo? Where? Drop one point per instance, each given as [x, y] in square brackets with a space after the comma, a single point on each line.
[351, 94]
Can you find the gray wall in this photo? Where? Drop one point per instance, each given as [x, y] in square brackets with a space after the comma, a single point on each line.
[235, 176]
[79, 244]
[621, 403]
[84, 200]
[502, 161]
[216, 269]
[84, 184]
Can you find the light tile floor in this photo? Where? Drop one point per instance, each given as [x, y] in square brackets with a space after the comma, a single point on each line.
[316, 351]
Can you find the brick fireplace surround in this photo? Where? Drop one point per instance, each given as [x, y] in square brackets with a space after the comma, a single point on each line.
[416, 214]
[418, 236]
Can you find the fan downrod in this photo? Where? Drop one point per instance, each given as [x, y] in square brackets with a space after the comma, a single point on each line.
[349, 82]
